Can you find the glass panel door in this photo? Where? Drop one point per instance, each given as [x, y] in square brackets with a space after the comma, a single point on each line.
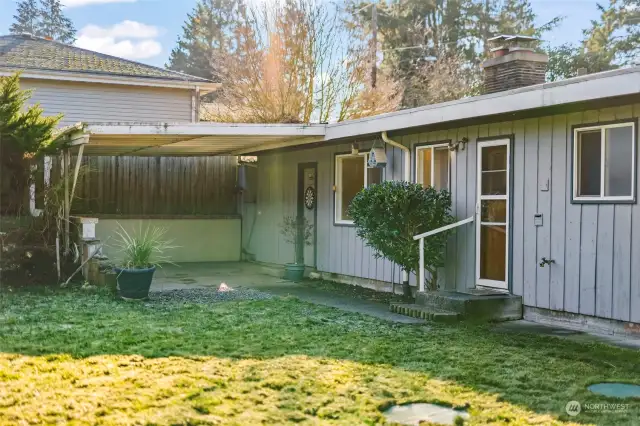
[492, 214]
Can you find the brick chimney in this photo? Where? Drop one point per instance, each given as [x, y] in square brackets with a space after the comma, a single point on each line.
[513, 63]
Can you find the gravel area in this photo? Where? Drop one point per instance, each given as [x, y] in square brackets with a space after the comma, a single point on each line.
[206, 295]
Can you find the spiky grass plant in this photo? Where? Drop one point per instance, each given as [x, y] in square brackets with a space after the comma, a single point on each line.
[144, 248]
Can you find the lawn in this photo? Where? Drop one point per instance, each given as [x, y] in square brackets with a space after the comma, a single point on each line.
[85, 358]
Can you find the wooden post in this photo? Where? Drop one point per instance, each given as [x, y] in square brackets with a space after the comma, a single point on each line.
[75, 173]
[66, 156]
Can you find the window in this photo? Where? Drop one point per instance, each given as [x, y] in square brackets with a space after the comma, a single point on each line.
[432, 166]
[352, 174]
[604, 163]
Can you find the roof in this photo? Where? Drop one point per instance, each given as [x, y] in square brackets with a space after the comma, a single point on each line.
[620, 83]
[30, 53]
[191, 139]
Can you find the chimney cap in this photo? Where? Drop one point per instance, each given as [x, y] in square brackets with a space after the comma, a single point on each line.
[512, 38]
[504, 44]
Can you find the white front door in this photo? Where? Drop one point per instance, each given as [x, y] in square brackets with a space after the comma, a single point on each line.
[492, 214]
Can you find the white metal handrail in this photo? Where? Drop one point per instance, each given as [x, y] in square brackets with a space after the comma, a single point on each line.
[421, 238]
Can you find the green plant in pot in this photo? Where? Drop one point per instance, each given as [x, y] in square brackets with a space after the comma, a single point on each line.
[299, 232]
[142, 252]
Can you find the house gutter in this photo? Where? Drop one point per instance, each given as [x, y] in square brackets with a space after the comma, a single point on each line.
[407, 178]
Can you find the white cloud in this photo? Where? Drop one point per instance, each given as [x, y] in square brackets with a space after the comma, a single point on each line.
[125, 29]
[127, 39]
[78, 3]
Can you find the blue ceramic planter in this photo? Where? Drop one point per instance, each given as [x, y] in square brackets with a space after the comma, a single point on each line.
[134, 283]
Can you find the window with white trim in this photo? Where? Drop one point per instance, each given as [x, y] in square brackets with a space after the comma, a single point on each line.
[352, 174]
[432, 166]
[604, 163]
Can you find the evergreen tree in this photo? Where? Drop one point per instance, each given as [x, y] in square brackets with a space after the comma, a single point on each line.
[610, 42]
[421, 37]
[208, 30]
[54, 24]
[27, 18]
[43, 20]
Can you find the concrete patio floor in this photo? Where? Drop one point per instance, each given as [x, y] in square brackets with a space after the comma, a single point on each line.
[255, 276]
[250, 275]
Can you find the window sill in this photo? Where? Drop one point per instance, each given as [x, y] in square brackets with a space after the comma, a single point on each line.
[343, 223]
[603, 200]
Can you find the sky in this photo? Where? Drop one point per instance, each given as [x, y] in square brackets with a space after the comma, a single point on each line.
[147, 30]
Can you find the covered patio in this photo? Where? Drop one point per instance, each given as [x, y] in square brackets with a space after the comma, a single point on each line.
[158, 140]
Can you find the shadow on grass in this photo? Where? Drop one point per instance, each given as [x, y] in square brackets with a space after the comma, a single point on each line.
[461, 364]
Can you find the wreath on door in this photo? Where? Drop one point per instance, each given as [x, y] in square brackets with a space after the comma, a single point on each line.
[310, 198]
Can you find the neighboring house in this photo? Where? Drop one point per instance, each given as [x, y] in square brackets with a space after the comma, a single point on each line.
[548, 172]
[88, 86]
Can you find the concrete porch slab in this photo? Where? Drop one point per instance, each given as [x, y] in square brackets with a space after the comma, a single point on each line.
[472, 307]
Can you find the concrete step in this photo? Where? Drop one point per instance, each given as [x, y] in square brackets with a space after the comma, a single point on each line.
[422, 312]
[483, 308]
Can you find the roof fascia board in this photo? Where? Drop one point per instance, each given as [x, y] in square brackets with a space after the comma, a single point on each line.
[110, 79]
[206, 129]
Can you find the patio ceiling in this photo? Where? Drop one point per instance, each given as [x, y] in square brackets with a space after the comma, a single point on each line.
[197, 139]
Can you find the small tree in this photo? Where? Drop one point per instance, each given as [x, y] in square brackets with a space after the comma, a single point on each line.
[297, 231]
[389, 215]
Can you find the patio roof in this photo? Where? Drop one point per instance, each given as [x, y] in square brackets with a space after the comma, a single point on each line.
[201, 139]
[195, 139]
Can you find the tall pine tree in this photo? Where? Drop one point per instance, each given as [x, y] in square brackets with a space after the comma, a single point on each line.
[45, 19]
[54, 24]
[27, 18]
[209, 29]
[423, 38]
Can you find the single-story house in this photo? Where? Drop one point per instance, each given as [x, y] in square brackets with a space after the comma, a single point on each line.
[546, 173]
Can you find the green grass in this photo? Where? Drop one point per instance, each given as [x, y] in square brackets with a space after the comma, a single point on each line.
[81, 358]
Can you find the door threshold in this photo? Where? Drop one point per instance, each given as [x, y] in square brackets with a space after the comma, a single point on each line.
[484, 291]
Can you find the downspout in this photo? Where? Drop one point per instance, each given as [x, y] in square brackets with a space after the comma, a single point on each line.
[407, 155]
[407, 178]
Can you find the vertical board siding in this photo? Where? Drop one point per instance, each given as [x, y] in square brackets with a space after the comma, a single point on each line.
[530, 264]
[573, 217]
[543, 233]
[593, 246]
[557, 217]
[604, 262]
[634, 300]
[588, 253]
[517, 228]
[136, 186]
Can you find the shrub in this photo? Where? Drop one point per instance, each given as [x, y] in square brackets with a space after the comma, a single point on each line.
[389, 215]
[299, 232]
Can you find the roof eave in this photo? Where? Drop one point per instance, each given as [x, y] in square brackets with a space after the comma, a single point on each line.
[204, 86]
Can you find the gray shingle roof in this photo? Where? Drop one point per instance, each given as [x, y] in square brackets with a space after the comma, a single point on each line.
[27, 52]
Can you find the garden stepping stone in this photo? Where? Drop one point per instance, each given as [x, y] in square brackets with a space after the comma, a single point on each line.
[616, 390]
[413, 414]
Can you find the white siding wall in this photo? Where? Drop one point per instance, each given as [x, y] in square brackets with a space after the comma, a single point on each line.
[596, 247]
[110, 103]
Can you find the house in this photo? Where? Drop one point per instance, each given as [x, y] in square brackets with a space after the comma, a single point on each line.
[189, 196]
[546, 173]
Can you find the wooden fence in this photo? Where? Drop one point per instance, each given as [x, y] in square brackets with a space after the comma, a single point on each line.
[156, 186]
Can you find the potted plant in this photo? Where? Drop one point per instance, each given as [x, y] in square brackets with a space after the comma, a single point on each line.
[297, 231]
[142, 252]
